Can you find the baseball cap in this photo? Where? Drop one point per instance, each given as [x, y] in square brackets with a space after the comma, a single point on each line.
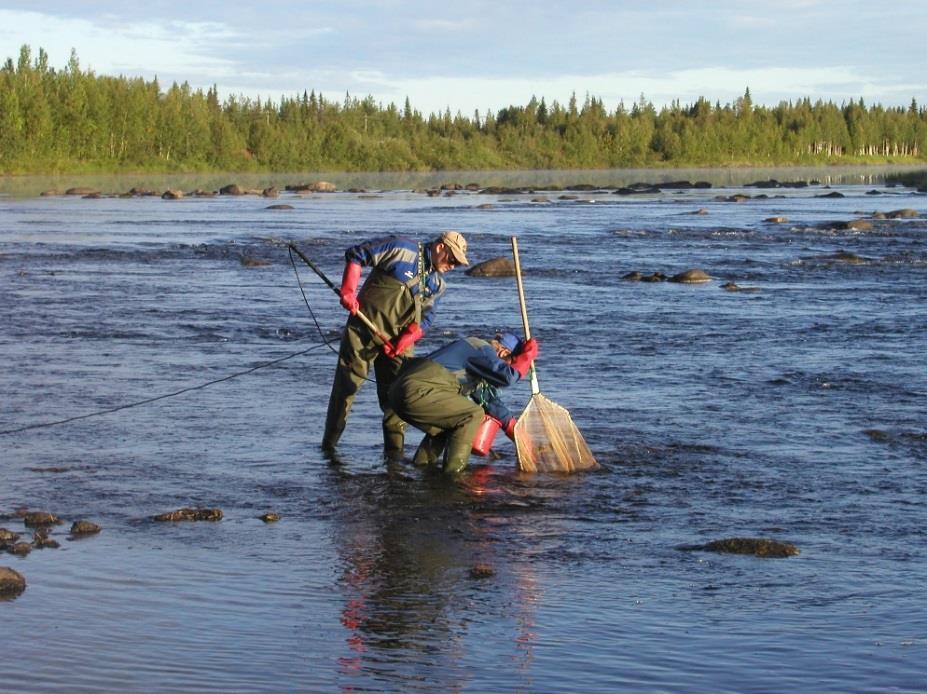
[511, 342]
[457, 245]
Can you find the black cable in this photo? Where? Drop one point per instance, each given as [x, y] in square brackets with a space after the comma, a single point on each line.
[147, 401]
[306, 301]
[159, 397]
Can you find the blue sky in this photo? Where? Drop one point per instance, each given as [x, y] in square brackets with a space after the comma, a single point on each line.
[487, 55]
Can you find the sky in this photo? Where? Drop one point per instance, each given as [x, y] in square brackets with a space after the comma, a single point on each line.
[476, 55]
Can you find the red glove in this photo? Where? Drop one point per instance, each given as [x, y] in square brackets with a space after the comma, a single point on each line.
[510, 428]
[406, 339]
[521, 362]
[348, 291]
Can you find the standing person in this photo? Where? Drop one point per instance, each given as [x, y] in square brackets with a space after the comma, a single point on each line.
[446, 394]
[399, 297]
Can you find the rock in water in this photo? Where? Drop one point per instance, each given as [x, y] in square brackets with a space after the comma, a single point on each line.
[691, 276]
[12, 582]
[191, 514]
[757, 546]
[84, 527]
[503, 266]
[37, 518]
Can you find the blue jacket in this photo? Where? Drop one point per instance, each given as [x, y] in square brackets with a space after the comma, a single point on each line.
[401, 259]
[480, 372]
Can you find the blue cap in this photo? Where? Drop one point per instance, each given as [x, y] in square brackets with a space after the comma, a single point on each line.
[511, 342]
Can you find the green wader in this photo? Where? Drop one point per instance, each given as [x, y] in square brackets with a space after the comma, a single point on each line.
[428, 397]
[391, 306]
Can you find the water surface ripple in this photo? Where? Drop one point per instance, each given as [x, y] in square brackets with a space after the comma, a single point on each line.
[793, 409]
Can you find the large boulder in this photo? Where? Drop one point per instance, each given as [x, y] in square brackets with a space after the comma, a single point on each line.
[502, 266]
[12, 582]
[694, 276]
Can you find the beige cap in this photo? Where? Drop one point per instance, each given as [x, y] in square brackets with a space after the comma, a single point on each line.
[456, 244]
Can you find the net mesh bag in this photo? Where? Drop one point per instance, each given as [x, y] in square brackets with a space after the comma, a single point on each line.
[546, 440]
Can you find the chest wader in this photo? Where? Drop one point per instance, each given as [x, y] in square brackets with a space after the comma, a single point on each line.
[391, 306]
[431, 398]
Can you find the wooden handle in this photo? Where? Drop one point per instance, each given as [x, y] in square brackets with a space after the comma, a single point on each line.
[535, 388]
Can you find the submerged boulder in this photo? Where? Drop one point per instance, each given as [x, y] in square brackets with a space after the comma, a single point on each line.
[693, 276]
[906, 213]
[757, 546]
[191, 514]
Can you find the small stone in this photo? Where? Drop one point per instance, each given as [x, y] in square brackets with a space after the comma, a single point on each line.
[41, 540]
[482, 571]
[8, 536]
[12, 582]
[270, 517]
[20, 549]
[84, 527]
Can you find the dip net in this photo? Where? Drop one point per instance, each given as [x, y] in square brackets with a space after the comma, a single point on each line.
[547, 440]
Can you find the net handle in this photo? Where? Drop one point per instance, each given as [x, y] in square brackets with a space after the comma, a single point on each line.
[535, 388]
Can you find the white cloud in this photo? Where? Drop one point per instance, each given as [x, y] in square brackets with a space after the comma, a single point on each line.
[111, 46]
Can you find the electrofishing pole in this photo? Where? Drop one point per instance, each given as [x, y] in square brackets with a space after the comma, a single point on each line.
[315, 268]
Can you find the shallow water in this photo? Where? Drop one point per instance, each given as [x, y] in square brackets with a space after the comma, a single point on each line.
[795, 411]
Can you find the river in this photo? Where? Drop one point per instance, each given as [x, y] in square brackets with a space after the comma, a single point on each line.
[794, 409]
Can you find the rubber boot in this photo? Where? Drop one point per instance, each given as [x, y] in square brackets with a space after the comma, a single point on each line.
[457, 454]
[429, 450]
[394, 438]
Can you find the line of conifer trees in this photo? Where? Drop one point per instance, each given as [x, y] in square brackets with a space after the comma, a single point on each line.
[71, 120]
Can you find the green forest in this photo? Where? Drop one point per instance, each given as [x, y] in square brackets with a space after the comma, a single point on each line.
[71, 120]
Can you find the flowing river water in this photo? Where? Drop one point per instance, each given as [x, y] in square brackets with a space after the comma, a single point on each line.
[794, 409]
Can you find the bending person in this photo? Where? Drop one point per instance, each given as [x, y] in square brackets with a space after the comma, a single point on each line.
[446, 394]
[399, 297]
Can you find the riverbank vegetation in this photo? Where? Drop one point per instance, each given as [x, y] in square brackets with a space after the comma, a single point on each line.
[74, 121]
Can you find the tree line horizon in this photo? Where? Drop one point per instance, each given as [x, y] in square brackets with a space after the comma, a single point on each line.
[74, 121]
